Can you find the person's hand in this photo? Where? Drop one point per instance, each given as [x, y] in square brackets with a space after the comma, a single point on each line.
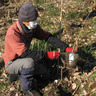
[53, 55]
[69, 50]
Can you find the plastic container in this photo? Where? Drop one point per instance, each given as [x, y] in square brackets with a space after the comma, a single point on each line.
[70, 58]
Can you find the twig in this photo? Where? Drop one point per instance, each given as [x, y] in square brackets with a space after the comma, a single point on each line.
[91, 91]
[61, 16]
[75, 47]
[77, 39]
[58, 60]
[62, 68]
[75, 90]
[60, 29]
[61, 73]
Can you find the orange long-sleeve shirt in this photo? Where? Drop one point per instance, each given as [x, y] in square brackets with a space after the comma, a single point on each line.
[14, 41]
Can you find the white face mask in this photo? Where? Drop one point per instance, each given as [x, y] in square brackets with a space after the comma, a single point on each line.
[32, 24]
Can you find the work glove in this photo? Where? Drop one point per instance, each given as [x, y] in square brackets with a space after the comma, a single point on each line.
[69, 50]
[53, 55]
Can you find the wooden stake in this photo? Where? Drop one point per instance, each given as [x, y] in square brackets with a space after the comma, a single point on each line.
[58, 60]
[61, 15]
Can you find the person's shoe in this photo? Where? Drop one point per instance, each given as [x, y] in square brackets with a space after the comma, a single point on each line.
[32, 93]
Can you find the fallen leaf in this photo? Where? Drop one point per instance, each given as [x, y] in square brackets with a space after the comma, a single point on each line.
[77, 73]
[75, 95]
[4, 74]
[74, 86]
[12, 88]
[84, 92]
[90, 84]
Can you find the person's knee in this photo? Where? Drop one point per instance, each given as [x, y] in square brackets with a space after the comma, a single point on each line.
[29, 63]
